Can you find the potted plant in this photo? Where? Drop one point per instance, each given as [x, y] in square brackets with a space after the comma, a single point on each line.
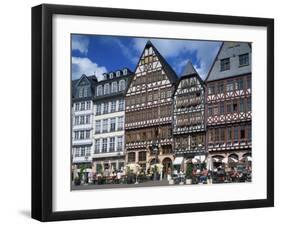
[188, 173]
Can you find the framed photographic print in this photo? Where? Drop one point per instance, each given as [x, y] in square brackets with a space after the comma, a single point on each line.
[146, 112]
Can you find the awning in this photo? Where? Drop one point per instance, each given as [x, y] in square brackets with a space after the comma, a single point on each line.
[199, 159]
[178, 161]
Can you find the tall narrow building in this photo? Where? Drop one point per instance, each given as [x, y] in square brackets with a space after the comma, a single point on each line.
[109, 111]
[83, 91]
[189, 116]
[148, 114]
[228, 99]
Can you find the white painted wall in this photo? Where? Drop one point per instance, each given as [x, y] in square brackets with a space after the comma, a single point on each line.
[15, 61]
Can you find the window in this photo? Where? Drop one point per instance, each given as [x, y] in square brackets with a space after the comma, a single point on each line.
[99, 90]
[210, 111]
[80, 92]
[211, 89]
[119, 143]
[235, 106]
[121, 106]
[76, 106]
[105, 125]
[242, 133]
[229, 134]
[104, 145]
[229, 86]
[236, 134]
[88, 105]
[82, 153]
[242, 106]
[217, 135]
[215, 110]
[221, 87]
[149, 99]
[142, 156]
[221, 108]
[120, 123]
[114, 87]
[106, 88]
[125, 71]
[229, 107]
[122, 85]
[77, 152]
[244, 59]
[82, 106]
[155, 95]
[211, 136]
[113, 106]
[249, 133]
[222, 135]
[82, 119]
[87, 119]
[105, 108]
[98, 126]
[131, 157]
[98, 109]
[225, 64]
[76, 120]
[249, 83]
[86, 92]
[240, 84]
[249, 104]
[117, 73]
[88, 151]
[82, 135]
[112, 124]
[111, 75]
[76, 135]
[87, 134]
[112, 144]
[97, 146]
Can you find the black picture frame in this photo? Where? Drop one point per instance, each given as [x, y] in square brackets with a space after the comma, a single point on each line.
[42, 111]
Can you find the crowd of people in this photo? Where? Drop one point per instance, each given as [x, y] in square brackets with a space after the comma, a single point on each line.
[198, 175]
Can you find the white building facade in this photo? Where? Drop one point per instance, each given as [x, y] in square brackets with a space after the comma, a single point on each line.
[82, 122]
[108, 125]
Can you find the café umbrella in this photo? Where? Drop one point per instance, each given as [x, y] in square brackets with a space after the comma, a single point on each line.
[210, 164]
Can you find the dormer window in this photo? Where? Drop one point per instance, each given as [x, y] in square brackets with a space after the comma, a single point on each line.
[225, 64]
[244, 60]
[125, 71]
[117, 73]
[80, 92]
[122, 85]
[114, 87]
[111, 75]
[86, 92]
[106, 88]
[104, 76]
[99, 90]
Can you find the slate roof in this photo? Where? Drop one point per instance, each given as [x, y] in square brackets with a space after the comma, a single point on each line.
[188, 69]
[229, 50]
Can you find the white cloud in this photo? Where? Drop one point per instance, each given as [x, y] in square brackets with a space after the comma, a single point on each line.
[83, 65]
[205, 51]
[80, 43]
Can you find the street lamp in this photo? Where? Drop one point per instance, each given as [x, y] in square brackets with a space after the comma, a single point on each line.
[155, 152]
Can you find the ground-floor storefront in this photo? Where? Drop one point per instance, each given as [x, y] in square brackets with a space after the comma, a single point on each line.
[108, 165]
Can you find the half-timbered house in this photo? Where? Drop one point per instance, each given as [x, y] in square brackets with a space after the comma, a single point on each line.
[228, 106]
[148, 114]
[189, 118]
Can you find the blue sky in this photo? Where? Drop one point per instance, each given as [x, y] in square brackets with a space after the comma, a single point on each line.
[97, 54]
